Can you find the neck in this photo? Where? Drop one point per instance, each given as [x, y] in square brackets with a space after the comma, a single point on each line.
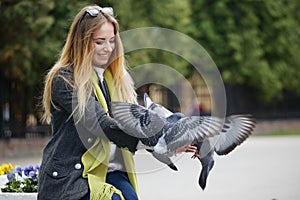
[99, 71]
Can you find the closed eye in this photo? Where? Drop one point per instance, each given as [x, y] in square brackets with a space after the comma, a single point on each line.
[100, 42]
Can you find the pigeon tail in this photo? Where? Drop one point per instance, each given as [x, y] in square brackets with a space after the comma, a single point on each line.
[164, 159]
[204, 174]
[172, 166]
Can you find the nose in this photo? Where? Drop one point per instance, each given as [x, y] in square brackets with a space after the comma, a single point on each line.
[108, 47]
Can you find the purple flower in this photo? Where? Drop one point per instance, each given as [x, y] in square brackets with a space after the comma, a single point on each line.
[19, 170]
[31, 174]
[28, 169]
[11, 177]
[37, 167]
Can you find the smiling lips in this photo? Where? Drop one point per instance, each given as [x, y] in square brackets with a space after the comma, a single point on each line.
[104, 56]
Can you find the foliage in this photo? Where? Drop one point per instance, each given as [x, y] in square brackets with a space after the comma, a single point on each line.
[154, 13]
[24, 25]
[32, 34]
[254, 43]
[22, 180]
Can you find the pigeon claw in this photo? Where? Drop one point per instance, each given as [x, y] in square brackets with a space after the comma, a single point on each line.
[196, 155]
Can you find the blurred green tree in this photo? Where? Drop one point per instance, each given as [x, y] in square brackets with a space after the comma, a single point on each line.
[32, 34]
[23, 27]
[254, 43]
[155, 13]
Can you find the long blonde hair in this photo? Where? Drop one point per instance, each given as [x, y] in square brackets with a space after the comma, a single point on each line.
[78, 51]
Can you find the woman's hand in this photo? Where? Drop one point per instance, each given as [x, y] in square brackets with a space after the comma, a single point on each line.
[187, 149]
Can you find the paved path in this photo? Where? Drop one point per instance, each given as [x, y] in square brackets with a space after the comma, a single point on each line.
[263, 168]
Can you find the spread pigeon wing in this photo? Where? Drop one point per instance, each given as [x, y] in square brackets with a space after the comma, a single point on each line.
[236, 129]
[190, 129]
[136, 120]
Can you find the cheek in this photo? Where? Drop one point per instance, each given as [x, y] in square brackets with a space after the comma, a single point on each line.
[113, 47]
[95, 57]
[97, 48]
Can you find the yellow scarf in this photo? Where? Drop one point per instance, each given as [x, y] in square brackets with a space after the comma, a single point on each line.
[95, 167]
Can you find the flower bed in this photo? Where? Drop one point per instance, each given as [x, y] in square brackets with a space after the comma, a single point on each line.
[18, 183]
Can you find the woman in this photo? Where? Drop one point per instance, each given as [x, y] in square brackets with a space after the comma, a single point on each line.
[79, 162]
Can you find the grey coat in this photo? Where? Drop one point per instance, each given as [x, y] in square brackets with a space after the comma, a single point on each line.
[60, 175]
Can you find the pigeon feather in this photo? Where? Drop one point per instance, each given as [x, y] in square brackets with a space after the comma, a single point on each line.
[137, 121]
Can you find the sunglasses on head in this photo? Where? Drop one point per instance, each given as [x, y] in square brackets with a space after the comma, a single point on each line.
[94, 12]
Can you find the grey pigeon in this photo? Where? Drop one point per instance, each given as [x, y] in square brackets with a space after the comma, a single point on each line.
[157, 132]
[162, 136]
[236, 129]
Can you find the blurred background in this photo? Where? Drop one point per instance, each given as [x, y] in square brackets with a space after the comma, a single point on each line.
[255, 45]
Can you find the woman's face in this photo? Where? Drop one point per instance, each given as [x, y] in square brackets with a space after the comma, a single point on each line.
[104, 43]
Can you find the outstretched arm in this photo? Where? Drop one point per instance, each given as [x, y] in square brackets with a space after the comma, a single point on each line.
[95, 120]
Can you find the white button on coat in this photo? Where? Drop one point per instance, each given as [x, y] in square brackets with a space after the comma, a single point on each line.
[54, 174]
[78, 166]
[90, 140]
